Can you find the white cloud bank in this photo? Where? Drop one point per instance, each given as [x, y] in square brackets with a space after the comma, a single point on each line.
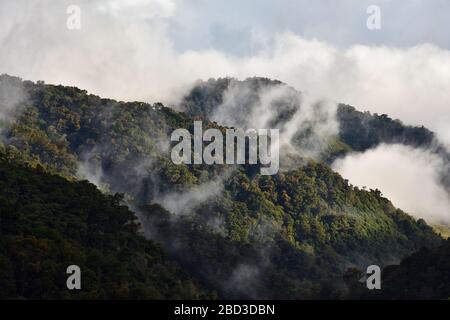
[406, 176]
[124, 51]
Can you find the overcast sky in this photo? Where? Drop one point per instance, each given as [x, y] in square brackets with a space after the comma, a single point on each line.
[238, 27]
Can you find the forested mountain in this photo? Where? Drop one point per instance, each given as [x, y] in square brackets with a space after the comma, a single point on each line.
[358, 131]
[355, 131]
[290, 236]
[240, 234]
[48, 223]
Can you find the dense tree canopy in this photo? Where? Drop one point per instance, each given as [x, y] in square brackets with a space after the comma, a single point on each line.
[239, 234]
[48, 223]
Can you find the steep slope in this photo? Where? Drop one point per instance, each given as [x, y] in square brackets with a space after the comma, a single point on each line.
[291, 235]
[48, 223]
[358, 131]
[288, 236]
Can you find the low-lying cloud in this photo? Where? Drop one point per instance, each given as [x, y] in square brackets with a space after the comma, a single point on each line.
[282, 107]
[409, 177]
[13, 100]
[180, 203]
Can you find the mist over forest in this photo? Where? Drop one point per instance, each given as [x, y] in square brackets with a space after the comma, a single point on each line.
[91, 93]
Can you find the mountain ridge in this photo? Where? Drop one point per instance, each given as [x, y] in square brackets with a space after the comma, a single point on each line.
[287, 236]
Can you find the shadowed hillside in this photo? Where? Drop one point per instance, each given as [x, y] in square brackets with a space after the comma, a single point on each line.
[290, 235]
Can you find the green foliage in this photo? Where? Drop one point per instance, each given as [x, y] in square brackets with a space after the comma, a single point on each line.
[358, 131]
[291, 235]
[48, 223]
[362, 130]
